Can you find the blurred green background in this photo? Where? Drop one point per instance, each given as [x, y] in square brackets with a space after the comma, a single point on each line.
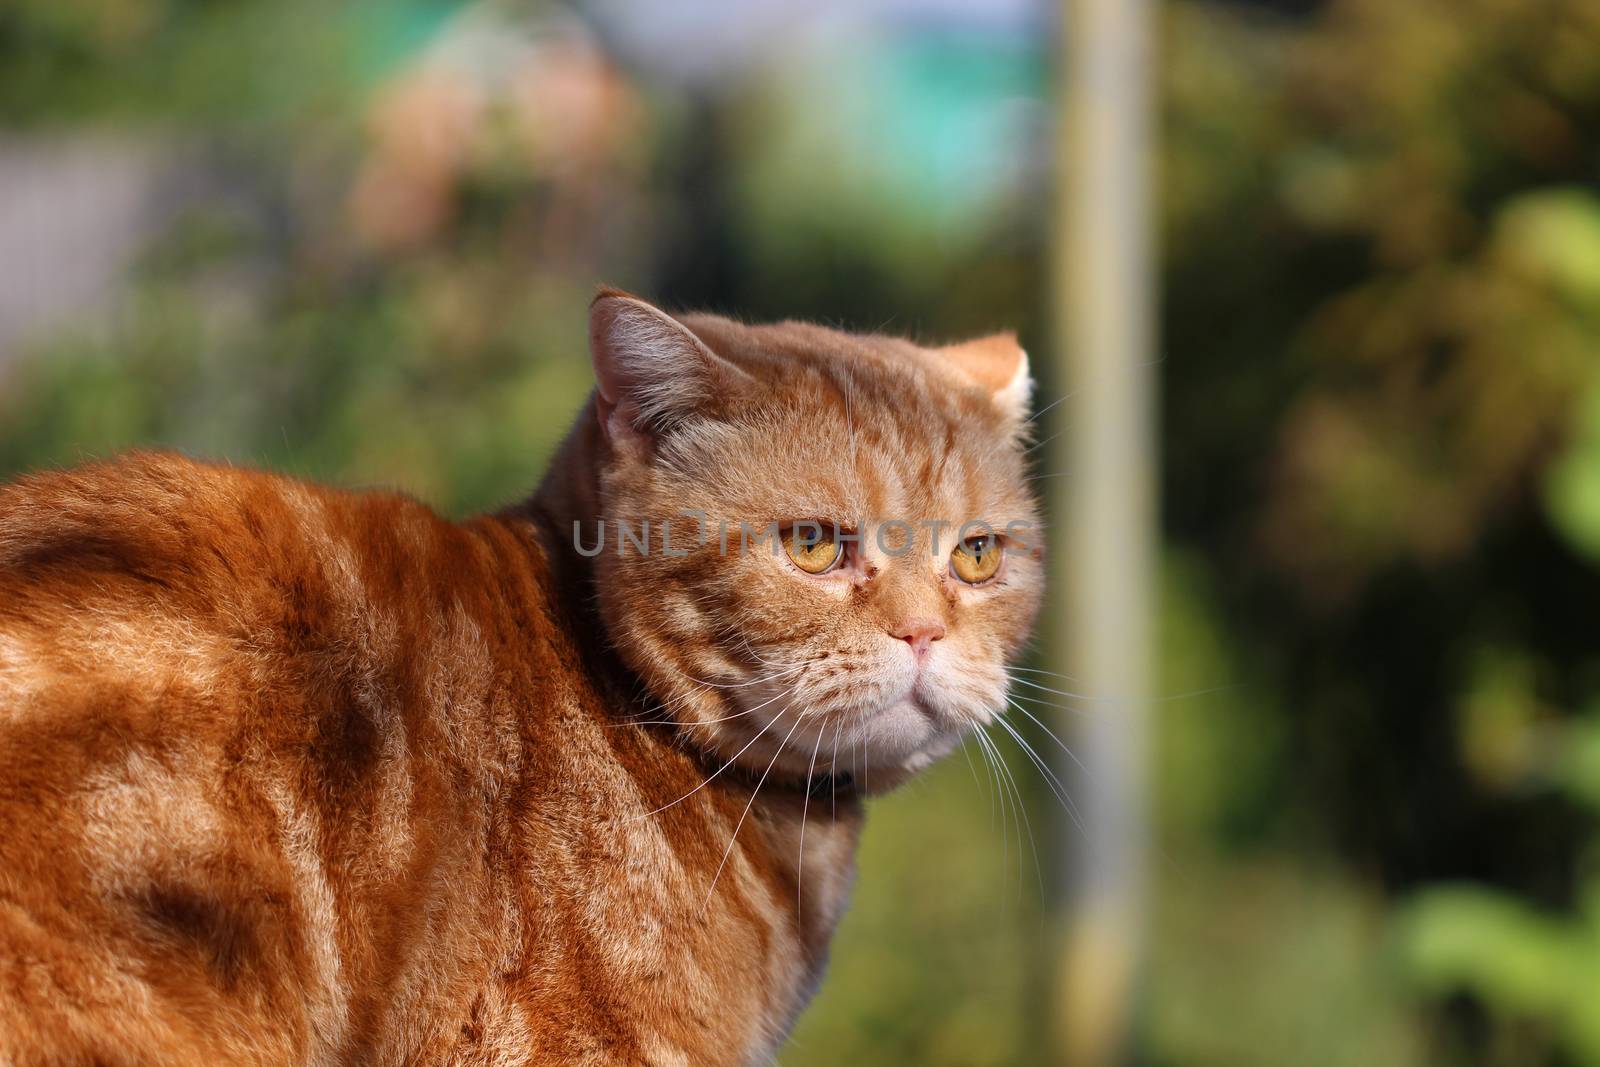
[356, 242]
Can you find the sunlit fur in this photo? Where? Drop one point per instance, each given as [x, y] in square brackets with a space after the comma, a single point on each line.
[291, 775]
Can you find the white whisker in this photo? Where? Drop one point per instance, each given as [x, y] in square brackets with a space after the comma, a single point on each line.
[1059, 743]
[800, 853]
[1047, 689]
[714, 773]
[1052, 705]
[1041, 670]
[1026, 823]
[677, 722]
[1050, 778]
[833, 769]
[1050, 406]
[1002, 802]
[748, 805]
[1041, 443]
[782, 673]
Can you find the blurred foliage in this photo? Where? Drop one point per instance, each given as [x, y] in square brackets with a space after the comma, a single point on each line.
[273, 390]
[380, 307]
[1520, 961]
[1378, 753]
[1383, 244]
[1573, 485]
[1260, 956]
[937, 960]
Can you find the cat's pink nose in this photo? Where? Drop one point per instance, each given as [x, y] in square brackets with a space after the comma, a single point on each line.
[920, 634]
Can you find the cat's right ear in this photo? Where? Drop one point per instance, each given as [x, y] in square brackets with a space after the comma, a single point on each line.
[651, 372]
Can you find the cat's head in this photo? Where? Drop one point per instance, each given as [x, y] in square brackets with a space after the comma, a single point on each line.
[871, 633]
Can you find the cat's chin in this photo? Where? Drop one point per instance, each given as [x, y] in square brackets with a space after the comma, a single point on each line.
[899, 741]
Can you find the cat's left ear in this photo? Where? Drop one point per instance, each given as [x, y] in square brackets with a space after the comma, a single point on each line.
[652, 373]
[996, 363]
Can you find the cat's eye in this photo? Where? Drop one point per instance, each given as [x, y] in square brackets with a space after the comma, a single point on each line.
[813, 549]
[976, 559]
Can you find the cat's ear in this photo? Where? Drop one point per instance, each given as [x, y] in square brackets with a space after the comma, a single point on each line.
[651, 372]
[996, 363]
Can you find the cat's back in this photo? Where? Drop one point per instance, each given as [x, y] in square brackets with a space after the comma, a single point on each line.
[155, 565]
[132, 583]
[204, 671]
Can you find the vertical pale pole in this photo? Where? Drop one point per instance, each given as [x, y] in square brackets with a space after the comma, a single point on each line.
[1106, 506]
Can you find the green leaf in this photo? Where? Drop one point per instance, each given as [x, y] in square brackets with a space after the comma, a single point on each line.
[1572, 486]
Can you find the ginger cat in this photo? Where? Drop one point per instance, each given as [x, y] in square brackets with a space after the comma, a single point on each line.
[292, 775]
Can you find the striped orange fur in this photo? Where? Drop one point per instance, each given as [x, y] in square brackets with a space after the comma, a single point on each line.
[293, 775]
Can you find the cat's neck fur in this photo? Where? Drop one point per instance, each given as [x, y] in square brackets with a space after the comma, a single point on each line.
[570, 492]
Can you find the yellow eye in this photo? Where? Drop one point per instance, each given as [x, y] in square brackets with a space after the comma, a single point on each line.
[813, 549]
[976, 559]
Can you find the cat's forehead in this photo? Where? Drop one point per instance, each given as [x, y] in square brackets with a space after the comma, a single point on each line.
[851, 426]
[772, 482]
[871, 487]
[777, 353]
[830, 380]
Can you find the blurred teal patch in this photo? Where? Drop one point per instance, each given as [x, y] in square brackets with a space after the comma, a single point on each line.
[943, 116]
[914, 132]
[389, 32]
